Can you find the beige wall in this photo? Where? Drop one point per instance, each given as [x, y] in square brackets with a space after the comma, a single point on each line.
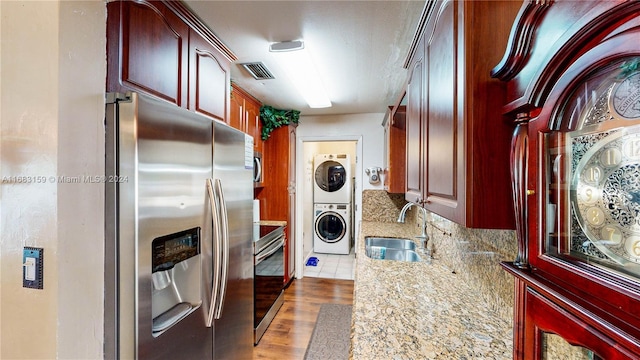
[52, 71]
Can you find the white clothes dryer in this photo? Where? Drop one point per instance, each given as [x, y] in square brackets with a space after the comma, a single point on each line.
[332, 179]
[332, 229]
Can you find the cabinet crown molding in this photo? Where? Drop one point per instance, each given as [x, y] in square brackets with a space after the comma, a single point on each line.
[427, 11]
[198, 25]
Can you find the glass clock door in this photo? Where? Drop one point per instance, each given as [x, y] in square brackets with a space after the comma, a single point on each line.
[593, 172]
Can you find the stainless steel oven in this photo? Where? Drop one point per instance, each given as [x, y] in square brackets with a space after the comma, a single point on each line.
[268, 277]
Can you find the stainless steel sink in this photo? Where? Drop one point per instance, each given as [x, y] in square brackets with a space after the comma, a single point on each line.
[393, 243]
[384, 248]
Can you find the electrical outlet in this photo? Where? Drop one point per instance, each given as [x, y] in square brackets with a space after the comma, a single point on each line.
[32, 272]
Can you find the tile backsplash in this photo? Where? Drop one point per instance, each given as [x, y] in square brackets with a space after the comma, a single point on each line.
[475, 254]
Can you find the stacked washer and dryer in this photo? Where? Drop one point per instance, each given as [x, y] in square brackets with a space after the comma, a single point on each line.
[332, 198]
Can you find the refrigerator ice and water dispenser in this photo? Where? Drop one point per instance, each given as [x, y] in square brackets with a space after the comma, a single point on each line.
[175, 277]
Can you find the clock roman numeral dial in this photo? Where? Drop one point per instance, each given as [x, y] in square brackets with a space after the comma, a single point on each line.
[595, 216]
[606, 185]
[631, 149]
[592, 175]
[589, 195]
[633, 248]
[611, 157]
[611, 234]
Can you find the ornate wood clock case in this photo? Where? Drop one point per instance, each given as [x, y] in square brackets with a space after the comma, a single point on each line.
[573, 73]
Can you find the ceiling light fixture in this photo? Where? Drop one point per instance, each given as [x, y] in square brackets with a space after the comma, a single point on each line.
[295, 60]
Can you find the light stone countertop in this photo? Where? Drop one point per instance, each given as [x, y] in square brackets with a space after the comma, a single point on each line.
[405, 310]
[273, 222]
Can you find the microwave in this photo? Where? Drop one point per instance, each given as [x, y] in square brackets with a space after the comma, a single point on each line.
[257, 169]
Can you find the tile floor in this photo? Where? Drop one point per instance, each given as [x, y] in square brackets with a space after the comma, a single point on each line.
[332, 266]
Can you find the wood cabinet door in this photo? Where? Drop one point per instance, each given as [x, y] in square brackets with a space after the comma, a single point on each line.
[277, 198]
[386, 124]
[274, 198]
[415, 169]
[444, 188]
[236, 111]
[147, 50]
[245, 116]
[254, 125]
[457, 147]
[395, 150]
[581, 340]
[291, 220]
[209, 79]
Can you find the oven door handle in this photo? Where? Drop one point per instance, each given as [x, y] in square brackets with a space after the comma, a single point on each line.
[263, 255]
[271, 241]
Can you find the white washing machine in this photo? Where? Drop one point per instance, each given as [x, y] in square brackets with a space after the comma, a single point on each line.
[332, 229]
[332, 179]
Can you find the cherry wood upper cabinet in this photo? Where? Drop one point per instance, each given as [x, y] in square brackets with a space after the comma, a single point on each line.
[209, 79]
[147, 49]
[444, 132]
[254, 125]
[414, 124]
[162, 49]
[236, 117]
[458, 141]
[245, 116]
[395, 149]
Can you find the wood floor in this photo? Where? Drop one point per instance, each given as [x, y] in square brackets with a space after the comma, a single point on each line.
[289, 333]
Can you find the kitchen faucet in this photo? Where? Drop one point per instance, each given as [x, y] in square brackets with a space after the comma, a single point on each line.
[424, 238]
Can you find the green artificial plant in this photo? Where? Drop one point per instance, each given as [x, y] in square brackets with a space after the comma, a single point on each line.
[273, 118]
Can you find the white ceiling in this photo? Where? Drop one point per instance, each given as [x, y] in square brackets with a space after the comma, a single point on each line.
[359, 47]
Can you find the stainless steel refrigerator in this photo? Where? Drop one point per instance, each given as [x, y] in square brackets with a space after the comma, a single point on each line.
[178, 250]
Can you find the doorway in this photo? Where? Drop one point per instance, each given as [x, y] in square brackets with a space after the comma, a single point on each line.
[329, 265]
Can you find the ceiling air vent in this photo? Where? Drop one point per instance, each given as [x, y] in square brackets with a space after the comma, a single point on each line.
[258, 70]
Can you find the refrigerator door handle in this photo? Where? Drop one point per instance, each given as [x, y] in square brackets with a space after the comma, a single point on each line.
[224, 225]
[217, 257]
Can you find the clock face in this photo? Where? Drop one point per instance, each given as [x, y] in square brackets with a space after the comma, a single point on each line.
[592, 160]
[605, 193]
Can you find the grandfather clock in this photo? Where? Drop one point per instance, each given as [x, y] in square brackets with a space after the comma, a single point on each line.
[573, 73]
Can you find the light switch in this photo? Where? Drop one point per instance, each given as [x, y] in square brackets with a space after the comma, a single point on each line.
[32, 263]
[30, 269]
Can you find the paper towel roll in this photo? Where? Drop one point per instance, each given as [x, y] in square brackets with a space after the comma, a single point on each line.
[256, 210]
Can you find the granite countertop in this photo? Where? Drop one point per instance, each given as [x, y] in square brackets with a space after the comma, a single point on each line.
[405, 310]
